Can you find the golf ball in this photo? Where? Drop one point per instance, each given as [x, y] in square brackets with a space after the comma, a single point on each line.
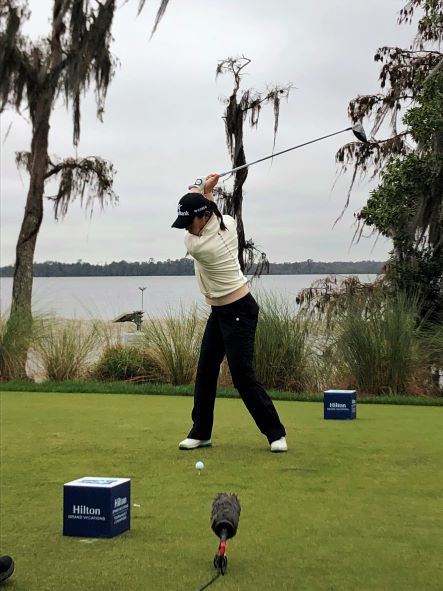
[199, 465]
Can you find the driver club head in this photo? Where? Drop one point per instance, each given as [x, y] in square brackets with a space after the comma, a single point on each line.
[359, 132]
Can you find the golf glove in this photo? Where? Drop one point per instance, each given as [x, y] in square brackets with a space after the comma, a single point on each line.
[199, 184]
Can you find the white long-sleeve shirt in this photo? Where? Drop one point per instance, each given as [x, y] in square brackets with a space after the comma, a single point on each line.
[215, 254]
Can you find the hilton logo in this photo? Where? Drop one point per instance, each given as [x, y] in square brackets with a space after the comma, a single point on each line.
[337, 405]
[84, 510]
[119, 501]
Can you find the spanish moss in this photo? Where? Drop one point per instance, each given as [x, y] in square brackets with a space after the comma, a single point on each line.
[239, 106]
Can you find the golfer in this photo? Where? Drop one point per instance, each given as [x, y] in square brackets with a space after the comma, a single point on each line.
[211, 239]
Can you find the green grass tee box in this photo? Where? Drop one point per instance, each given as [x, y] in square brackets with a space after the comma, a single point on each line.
[353, 505]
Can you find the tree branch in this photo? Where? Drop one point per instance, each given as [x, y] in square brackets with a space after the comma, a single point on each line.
[92, 175]
[364, 157]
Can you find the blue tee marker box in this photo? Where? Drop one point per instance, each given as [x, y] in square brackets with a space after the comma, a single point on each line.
[96, 507]
[340, 404]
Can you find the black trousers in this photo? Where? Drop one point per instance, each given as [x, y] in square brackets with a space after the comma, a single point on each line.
[230, 331]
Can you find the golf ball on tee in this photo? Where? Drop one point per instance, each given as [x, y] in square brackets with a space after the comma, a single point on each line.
[199, 465]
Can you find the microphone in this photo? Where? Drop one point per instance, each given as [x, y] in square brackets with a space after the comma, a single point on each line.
[225, 516]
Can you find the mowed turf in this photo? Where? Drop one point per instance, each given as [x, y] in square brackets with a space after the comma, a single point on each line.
[354, 505]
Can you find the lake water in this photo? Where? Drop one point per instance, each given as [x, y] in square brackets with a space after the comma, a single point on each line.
[107, 297]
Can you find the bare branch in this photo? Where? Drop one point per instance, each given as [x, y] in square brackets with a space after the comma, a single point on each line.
[234, 66]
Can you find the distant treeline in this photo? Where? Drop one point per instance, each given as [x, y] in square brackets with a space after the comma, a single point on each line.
[185, 266]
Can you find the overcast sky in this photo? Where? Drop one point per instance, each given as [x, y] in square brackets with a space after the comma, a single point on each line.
[163, 126]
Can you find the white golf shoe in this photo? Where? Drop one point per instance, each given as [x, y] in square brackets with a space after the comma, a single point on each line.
[279, 445]
[189, 443]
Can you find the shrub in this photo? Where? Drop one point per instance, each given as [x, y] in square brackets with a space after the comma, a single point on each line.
[120, 362]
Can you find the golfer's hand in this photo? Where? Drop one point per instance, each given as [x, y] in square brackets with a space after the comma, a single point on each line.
[211, 181]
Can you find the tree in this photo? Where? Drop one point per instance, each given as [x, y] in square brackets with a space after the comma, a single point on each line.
[236, 113]
[74, 56]
[407, 206]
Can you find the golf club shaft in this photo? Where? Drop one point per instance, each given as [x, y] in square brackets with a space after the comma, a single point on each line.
[284, 151]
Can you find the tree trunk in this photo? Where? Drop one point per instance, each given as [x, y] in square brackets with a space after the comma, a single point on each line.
[237, 199]
[21, 311]
[235, 115]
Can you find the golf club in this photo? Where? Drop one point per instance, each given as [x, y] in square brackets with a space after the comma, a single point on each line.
[357, 130]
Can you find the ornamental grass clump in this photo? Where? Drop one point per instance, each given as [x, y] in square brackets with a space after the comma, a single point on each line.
[109, 333]
[431, 347]
[283, 353]
[380, 343]
[174, 343]
[11, 362]
[17, 339]
[65, 349]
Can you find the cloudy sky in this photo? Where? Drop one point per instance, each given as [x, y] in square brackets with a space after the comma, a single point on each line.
[163, 126]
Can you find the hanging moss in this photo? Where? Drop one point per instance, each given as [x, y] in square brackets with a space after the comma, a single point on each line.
[239, 106]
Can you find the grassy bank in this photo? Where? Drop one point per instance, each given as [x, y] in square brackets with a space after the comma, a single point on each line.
[188, 390]
[353, 505]
[374, 344]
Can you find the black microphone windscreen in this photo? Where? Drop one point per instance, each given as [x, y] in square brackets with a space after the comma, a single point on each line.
[225, 514]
